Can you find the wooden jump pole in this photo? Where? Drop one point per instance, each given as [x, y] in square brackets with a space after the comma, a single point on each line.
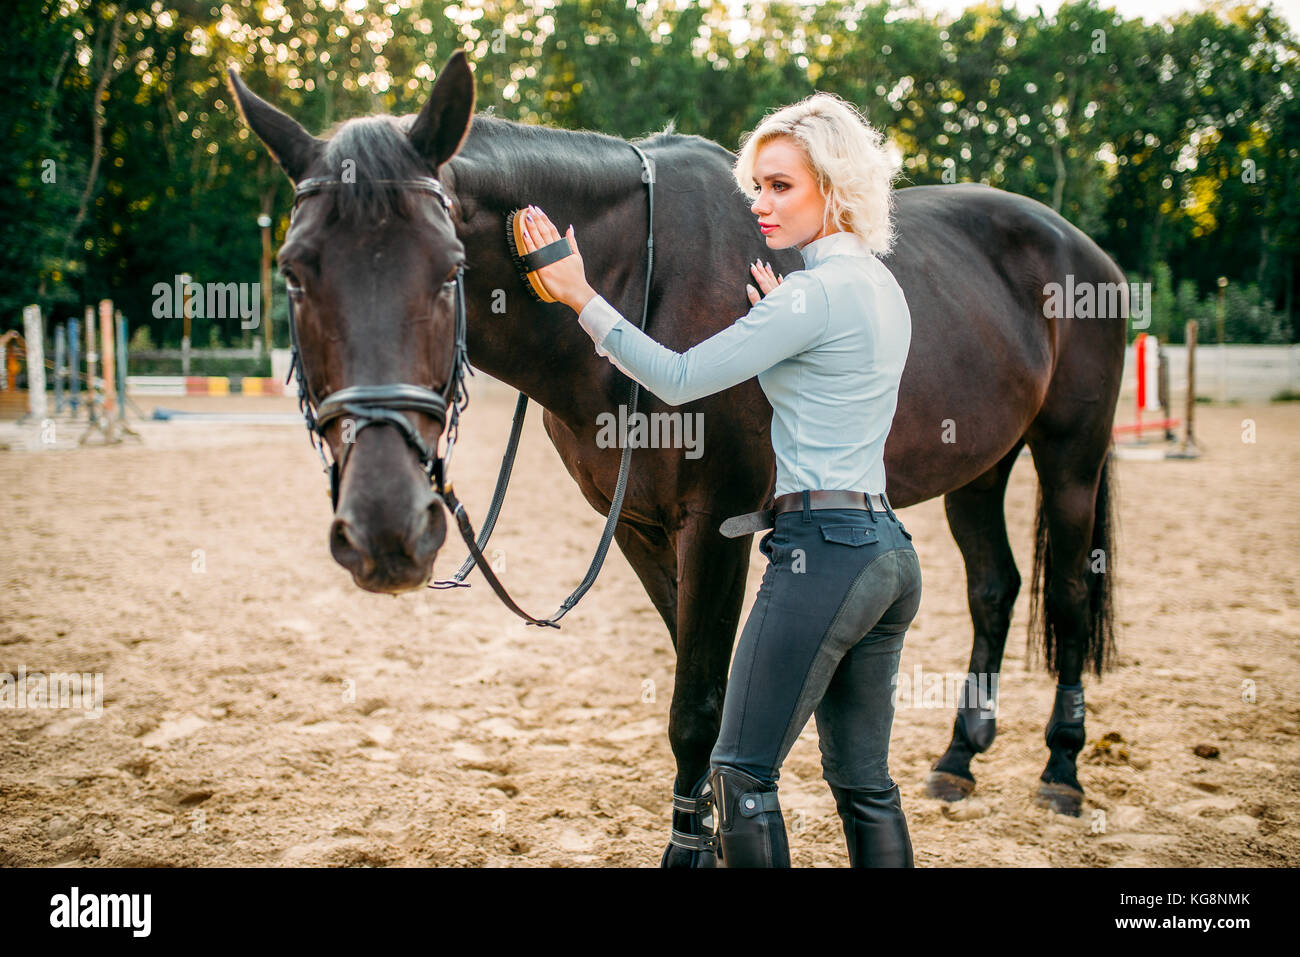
[107, 340]
[1189, 449]
[1189, 434]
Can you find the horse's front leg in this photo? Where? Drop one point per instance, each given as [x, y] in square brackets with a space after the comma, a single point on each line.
[710, 592]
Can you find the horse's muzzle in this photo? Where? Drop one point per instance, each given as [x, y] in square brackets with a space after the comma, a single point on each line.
[389, 523]
[389, 562]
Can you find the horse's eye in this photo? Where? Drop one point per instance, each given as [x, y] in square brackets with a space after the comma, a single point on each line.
[291, 284]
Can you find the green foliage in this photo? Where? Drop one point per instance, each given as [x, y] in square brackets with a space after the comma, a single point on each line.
[202, 365]
[1248, 315]
[1175, 143]
[141, 340]
[1164, 306]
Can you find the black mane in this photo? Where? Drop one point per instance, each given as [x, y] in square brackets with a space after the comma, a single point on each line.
[379, 150]
[596, 165]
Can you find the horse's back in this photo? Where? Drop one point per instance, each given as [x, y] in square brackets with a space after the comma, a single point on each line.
[1029, 241]
[976, 265]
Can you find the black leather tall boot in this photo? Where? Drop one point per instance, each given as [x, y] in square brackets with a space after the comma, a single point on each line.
[751, 830]
[875, 828]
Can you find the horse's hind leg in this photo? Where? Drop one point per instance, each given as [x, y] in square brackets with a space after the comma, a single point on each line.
[1075, 549]
[978, 523]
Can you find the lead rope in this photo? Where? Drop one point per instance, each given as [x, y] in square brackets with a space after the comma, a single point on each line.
[507, 466]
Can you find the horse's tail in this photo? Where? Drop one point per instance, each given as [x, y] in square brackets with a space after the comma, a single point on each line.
[1099, 646]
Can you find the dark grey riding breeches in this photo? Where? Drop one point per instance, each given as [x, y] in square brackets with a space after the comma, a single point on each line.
[824, 637]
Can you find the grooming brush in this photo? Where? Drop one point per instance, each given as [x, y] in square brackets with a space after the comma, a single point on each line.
[529, 263]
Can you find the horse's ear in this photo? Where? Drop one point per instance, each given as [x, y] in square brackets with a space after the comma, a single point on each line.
[444, 122]
[293, 147]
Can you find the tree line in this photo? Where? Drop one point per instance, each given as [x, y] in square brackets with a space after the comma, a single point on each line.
[1175, 144]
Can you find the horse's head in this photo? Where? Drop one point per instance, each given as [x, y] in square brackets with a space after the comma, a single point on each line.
[370, 262]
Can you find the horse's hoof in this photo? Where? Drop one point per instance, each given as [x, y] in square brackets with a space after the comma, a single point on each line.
[948, 787]
[1061, 798]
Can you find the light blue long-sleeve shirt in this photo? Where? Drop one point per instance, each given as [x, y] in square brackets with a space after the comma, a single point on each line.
[828, 346]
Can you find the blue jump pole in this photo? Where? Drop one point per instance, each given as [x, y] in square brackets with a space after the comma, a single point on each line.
[60, 365]
[74, 364]
[121, 366]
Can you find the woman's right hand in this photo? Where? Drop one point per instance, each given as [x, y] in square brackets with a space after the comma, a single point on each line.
[766, 279]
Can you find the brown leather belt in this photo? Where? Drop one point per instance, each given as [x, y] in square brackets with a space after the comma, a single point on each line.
[747, 524]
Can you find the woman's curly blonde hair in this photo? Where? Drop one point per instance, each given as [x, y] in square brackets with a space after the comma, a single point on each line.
[848, 158]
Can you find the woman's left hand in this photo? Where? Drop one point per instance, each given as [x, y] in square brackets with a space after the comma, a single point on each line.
[766, 279]
[566, 278]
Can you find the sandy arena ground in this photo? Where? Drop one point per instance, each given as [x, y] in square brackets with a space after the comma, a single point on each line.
[259, 709]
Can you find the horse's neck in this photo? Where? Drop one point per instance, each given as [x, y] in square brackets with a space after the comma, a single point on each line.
[540, 349]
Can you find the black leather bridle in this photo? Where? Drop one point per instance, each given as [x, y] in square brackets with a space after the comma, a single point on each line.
[383, 404]
[370, 405]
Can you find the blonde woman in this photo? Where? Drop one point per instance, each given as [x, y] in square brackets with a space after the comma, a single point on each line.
[843, 583]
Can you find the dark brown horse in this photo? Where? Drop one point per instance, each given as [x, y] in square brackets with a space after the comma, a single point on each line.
[990, 369]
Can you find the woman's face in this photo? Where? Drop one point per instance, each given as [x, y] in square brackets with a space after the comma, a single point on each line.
[789, 205]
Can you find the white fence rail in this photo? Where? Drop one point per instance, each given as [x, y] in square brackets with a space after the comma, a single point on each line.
[1250, 373]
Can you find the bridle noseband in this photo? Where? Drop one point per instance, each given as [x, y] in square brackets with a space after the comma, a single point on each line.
[370, 405]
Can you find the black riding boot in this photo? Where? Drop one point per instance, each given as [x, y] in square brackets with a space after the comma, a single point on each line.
[751, 830]
[875, 828]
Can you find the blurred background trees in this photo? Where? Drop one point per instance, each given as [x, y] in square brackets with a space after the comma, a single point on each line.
[1174, 144]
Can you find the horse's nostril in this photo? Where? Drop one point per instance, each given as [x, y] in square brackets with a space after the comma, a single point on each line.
[427, 536]
[340, 536]
[346, 548]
